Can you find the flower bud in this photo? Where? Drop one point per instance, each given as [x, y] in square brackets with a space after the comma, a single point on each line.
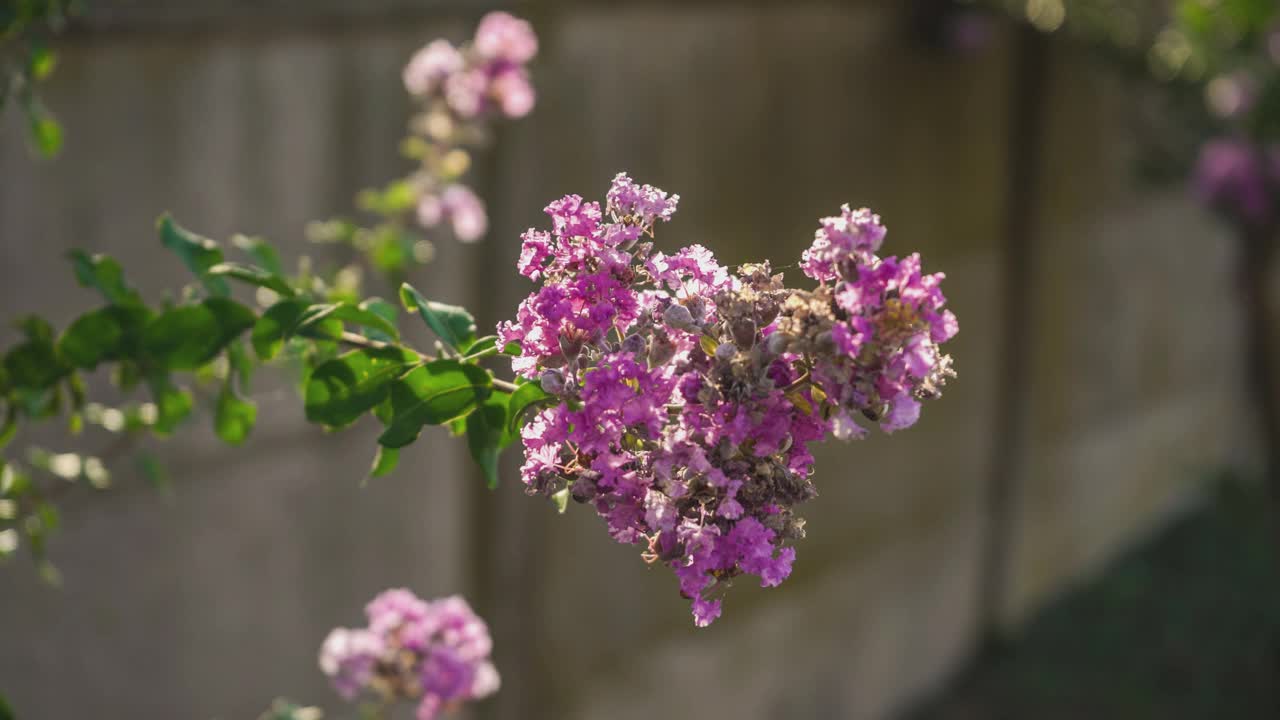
[552, 381]
[678, 317]
[633, 344]
[743, 331]
[726, 352]
[777, 343]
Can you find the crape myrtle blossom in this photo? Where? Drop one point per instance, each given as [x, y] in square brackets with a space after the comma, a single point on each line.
[1239, 179]
[433, 653]
[689, 394]
[461, 91]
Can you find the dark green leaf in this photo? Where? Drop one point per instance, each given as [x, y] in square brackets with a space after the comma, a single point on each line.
[313, 316]
[198, 253]
[34, 365]
[433, 394]
[9, 427]
[387, 312]
[36, 328]
[384, 462]
[253, 276]
[454, 325]
[525, 396]
[512, 348]
[153, 471]
[487, 434]
[261, 251]
[235, 417]
[274, 326]
[104, 274]
[92, 338]
[187, 337]
[341, 390]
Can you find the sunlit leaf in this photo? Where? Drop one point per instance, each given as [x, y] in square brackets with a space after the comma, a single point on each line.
[525, 396]
[253, 276]
[452, 324]
[234, 417]
[274, 326]
[384, 462]
[187, 337]
[104, 274]
[341, 390]
[433, 394]
[198, 253]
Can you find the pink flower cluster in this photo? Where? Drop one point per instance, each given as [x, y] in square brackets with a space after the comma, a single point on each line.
[1240, 180]
[435, 653]
[689, 394]
[488, 76]
[461, 89]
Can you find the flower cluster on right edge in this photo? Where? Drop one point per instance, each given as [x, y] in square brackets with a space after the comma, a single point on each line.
[433, 653]
[689, 394]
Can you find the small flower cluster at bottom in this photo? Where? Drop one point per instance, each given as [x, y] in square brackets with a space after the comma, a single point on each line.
[435, 653]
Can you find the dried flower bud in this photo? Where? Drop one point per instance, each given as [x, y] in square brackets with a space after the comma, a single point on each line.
[678, 316]
[552, 381]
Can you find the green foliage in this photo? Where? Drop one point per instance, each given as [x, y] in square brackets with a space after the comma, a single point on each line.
[433, 394]
[384, 462]
[199, 254]
[235, 417]
[26, 60]
[452, 324]
[200, 342]
[341, 390]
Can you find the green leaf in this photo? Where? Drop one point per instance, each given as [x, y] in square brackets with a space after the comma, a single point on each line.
[46, 133]
[153, 471]
[104, 274]
[234, 417]
[187, 337]
[9, 427]
[173, 405]
[198, 253]
[41, 61]
[487, 434]
[253, 276]
[274, 326]
[341, 390]
[454, 325]
[384, 462]
[349, 313]
[34, 365]
[387, 312]
[261, 251]
[561, 499]
[92, 338]
[513, 349]
[433, 394]
[525, 396]
[36, 328]
[482, 348]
